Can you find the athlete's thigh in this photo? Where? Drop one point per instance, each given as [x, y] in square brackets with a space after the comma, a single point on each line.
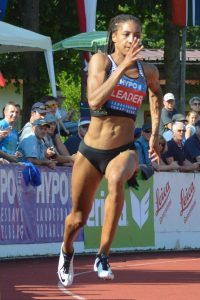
[85, 182]
[124, 164]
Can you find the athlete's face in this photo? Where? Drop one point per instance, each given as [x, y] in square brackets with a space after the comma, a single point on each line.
[125, 34]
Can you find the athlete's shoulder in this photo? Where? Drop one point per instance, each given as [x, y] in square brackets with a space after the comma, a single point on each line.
[149, 68]
[99, 57]
[99, 61]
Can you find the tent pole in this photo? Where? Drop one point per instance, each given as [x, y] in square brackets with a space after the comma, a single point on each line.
[183, 70]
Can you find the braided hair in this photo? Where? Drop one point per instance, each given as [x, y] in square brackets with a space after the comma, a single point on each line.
[113, 26]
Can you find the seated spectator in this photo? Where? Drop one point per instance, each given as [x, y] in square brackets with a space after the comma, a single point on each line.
[176, 118]
[38, 111]
[33, 148]
[194, 103]
[192, 145]
[51, 142]
[8, 134]
[192, 118]
[175, 150]
[167, 113]
[163, 166]
[73, 141]
[142, 144]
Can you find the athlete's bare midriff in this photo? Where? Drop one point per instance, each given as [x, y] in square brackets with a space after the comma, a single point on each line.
[110, 132]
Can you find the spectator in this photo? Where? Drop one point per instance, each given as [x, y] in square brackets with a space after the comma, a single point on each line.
[73, 141]
[8, 134]
[51, 141]
[61, 111]
[137, 133]
[175, 150]
[192, 118]
[142, 144]
[33, 148]
[19, 118]
[51, 104]
[38, 111]
[168, 135]
[164, 166]
[194, 103]
[7, 158]
[167, 113]
[66, 118]
[192, 145]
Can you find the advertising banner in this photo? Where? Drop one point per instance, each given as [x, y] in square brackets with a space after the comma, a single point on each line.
[176, 200]
[136, 224]
[31, 214]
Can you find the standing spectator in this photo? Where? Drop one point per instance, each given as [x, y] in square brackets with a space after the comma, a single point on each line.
[33, 148]
[167, 113]
[195, 104]
[192, 118]
[38, 111]
[175, 150]
[8, 134]
[142, 144]
[73, 141]
[192, 145]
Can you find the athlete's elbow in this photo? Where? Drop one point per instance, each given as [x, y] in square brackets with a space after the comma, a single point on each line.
[93, 104]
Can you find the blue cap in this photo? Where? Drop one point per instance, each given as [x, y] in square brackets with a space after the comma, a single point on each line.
[41, 122]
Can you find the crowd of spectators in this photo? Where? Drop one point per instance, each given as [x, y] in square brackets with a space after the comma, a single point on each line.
[179, 138]
[50, 137]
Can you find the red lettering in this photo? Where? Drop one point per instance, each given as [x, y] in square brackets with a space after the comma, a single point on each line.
[186, 197]
[162, 197]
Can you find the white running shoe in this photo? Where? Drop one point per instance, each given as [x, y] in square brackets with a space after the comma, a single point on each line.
[65, 268]
[102, 266]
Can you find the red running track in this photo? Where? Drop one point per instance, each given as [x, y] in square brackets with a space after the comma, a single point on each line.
[147, 276]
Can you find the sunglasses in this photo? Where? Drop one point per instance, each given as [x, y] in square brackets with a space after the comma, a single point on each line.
[196, 104]
[181, 130]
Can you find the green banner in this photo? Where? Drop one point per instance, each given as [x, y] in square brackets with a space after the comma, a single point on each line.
[136, 224]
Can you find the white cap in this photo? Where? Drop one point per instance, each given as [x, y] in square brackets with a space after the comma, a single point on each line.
[169, 96]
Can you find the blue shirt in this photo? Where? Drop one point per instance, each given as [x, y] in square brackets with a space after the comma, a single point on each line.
[32, 147]
[142, 147]
[9, 143]
[72, 144]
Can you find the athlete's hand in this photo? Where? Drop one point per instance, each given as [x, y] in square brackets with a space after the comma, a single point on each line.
[154, 153]
[133, 53]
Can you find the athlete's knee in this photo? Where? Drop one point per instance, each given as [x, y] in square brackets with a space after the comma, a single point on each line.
[75, 221]
[115, 182]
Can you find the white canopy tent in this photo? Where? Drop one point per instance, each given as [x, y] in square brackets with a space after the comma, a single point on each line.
[17, 39]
